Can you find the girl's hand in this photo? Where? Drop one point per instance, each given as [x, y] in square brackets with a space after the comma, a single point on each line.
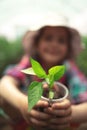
[61, 115]
[35, 118]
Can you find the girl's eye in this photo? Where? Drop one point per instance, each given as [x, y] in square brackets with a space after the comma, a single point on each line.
[48, 38]
[61, 40]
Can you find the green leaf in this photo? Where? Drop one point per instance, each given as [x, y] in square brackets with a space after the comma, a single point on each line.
[51, 80]
[38, 69]
[57, 71]
[35, 91]
[28, 71]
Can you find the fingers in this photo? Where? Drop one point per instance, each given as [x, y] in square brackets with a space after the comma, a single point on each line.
[55, 87]
[39, 115]
[60, 113]
[41, 104]
[45, 86]
[61, 105]
[38, 123]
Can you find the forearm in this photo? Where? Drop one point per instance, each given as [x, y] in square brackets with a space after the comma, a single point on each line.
[10, 92]
[79, 113]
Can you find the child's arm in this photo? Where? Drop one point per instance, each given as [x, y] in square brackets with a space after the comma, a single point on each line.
[10, 92]
[79, 113]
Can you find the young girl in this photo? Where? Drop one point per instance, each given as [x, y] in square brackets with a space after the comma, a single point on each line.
[55, 44]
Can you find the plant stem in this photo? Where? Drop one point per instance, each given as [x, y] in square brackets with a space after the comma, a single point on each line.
[51, 94]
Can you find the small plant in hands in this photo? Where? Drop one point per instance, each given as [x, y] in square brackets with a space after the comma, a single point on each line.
[35, 89]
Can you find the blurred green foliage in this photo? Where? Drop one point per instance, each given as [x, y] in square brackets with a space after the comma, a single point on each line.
[82, 58]
[11, 52]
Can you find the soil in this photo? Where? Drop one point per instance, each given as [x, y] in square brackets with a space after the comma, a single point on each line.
[57, 93]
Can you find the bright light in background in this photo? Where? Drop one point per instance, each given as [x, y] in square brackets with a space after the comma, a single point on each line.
[80, 22]
[18, 16]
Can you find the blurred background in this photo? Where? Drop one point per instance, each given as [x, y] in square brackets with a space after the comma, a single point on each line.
[18, 16]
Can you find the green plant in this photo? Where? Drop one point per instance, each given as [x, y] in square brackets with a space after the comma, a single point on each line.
[35, 90]
[82, 58]
[10, 53]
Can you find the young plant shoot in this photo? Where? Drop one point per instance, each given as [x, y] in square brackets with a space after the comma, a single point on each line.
[35, 89]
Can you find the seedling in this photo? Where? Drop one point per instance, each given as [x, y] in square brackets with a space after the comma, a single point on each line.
[35, 89]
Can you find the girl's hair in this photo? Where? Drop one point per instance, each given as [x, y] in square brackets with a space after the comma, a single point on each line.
[73, 47]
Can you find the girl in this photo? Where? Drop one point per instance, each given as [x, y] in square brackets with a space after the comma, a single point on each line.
[55, 44]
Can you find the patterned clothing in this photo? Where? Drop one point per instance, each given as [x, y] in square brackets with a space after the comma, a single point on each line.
[73, 78]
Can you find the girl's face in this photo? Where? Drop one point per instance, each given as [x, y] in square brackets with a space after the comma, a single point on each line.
[53, 45]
